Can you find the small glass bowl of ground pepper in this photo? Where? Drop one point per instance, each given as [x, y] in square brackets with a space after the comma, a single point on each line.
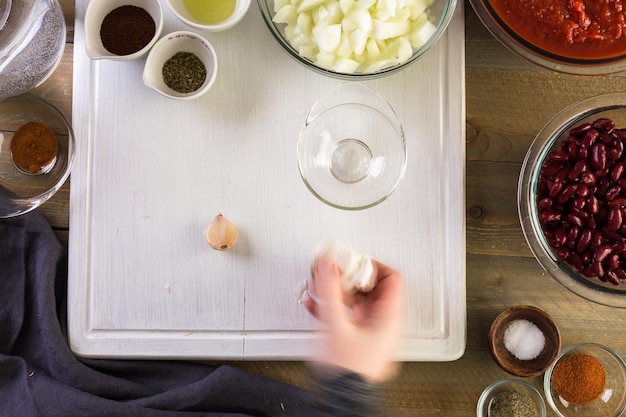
[122, 30]
[587, 379]
[510, 398]
[36, 153]
[181, 65]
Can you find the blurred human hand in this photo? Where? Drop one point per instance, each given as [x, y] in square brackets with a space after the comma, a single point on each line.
[361, 330]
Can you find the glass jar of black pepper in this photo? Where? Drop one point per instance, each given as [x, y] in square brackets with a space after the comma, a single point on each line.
[32, 41]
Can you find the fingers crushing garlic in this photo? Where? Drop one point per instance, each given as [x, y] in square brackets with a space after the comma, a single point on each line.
[221, 233]
[357, 270]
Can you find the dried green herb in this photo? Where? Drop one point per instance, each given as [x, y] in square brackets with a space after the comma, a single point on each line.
[512, 403]
[184, 72]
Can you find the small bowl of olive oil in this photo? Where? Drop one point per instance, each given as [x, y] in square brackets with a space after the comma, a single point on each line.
[210, 15]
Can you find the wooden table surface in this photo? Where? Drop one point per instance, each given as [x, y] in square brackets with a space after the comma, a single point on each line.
[508, 101]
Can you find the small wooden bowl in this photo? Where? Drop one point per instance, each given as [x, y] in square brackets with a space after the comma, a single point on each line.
[506, 360]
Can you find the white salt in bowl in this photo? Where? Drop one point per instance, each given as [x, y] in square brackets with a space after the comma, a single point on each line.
[528, 365]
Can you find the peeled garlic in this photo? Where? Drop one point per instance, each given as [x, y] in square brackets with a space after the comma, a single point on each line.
[221, 233]
[357, 270]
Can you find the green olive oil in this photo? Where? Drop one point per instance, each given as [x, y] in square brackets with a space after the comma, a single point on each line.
[210, 11]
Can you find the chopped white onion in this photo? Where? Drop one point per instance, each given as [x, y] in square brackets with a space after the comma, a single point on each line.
[355, 35]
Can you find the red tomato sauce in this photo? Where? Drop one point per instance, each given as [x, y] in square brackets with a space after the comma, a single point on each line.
[588, 29]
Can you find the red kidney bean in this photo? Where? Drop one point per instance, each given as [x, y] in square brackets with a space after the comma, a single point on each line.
[593, 204]
[611, 193]
[583, 190]
[555, 188]
[578, 203]
[571, 149]
[598, 268]
[596, 240]
[579, 168]
[586, 257]
[588, 177]
[589, 272]
[584, 240]
[562, 253]
[604, 124]
[560, 237]
[590, 222]
[579, 213]
[583, 153]
[589, 138]
[575, 220]
[614, 219]
[567, 193]
[576, 261]
[598, 156]
[602, 252]
[617, 171]
[544, 204]
[612, 277]
[560, 156]
[613, 154]
[581, 129]
[605, 138]
[613, 262]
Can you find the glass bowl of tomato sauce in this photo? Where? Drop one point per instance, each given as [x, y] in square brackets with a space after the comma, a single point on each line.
[568, 36]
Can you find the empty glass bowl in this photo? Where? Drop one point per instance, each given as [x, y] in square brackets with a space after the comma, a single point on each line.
[612, 400]
[352, 150]
[20, 191]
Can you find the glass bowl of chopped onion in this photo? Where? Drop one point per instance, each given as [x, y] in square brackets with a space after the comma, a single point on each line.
[36, 153]
[587, 379]
[572, 198]
[357, 40]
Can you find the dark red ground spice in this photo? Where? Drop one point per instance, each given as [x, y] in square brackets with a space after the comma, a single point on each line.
[126, 30]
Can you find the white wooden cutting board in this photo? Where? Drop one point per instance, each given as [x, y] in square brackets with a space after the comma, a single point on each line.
[151, 173]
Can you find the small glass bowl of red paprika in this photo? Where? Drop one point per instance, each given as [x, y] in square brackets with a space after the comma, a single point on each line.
[572, 198]
[576, 37]
[587, 379]
[32, 169]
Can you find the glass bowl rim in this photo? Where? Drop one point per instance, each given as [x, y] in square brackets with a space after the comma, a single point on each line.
[547, 60]
[29, 204]
[442, 26]
[526, 202]
[314, 113]
[567, 350]
[484, 396]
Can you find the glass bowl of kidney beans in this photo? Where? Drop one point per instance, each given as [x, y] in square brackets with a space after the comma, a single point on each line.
[572, 198]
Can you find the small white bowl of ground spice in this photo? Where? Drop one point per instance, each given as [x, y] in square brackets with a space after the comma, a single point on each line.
[524, 340]
[587, 379]
[510, 398]
[122, 30]
[181, 65]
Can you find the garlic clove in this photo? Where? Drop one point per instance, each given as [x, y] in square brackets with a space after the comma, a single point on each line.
[357, 270]
[221, 233]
